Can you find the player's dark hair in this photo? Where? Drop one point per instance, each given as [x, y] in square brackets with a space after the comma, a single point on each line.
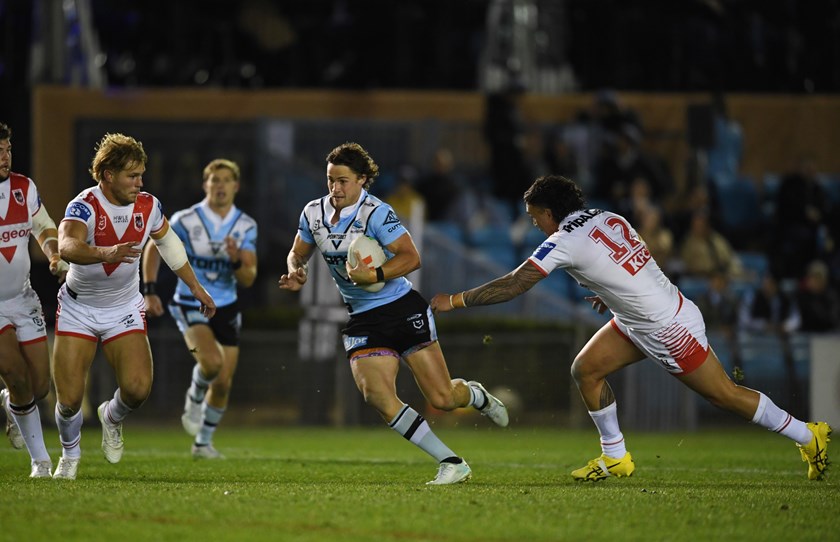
[558, 194]
[357, 159]
[5, 131]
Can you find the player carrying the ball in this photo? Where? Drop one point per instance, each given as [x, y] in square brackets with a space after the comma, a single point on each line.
[651, 319]
[392, 323]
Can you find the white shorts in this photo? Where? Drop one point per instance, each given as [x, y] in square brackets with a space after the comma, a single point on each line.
[25, 315]
[680, 347]
[97, 323]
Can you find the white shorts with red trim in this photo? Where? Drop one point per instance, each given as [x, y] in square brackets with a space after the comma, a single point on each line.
[96, 323]
[25, 315]
[680, 347]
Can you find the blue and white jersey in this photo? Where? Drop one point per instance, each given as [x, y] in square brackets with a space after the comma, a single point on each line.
[370, 216]
[203, 233]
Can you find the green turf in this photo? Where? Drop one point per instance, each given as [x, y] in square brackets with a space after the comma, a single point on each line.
[302, 484]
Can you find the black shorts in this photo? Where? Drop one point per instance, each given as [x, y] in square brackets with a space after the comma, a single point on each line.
[226, 324]
[399, 326]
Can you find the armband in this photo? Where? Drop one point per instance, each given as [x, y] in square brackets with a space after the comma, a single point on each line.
[150, 288]
[172, 250]
[236, 265]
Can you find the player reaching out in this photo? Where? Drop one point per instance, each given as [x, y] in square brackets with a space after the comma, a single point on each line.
[651, 319]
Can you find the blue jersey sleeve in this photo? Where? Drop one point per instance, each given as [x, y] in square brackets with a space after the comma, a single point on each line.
[303, 229]
[249, 240]
[385, 225]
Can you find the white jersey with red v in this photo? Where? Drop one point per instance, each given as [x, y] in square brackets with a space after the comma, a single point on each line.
[110, 284]
[18, 202]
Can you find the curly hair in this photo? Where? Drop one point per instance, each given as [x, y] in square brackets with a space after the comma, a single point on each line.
[5, 132]
[357, 159]
[116, 152]
[558, 194]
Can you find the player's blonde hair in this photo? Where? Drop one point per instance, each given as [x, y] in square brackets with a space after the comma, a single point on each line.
[221, 163]
[116, 152]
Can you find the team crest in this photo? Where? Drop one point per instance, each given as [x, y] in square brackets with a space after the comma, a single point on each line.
[139, 223]
[18, 194]
[391, 218]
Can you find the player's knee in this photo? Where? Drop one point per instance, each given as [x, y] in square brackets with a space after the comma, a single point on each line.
[135, 392]
[211, 364]
[67, 411]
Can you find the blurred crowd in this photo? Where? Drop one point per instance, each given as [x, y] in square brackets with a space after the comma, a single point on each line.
[773, 268]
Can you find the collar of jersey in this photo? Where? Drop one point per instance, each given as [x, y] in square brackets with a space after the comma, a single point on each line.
[214, 217]
[347, 211]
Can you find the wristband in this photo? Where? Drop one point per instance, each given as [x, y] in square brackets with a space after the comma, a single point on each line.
[380, 274]
[451, 304]
[236, 265]
[463, 301]
[150, 288]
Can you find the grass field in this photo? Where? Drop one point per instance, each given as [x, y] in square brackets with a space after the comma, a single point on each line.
[302, 484]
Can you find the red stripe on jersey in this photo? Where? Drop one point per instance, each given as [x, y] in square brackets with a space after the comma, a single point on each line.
[17, 212]
[106, 236]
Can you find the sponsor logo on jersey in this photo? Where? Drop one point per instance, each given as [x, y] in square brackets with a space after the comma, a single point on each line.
[139, 222]
[120, 219]
[337, 236]
[581, 219]
[78, 210]
[18, 194]
[357, 224]
[354, 342]
[543, 250]
[8, 235]
[638, 260]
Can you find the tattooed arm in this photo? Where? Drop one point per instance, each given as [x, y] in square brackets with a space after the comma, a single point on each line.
[499, 290]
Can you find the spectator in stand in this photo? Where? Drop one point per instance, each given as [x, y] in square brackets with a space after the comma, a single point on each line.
[405, 199]
[769, 310]
[802, 211]
[439, 186]
[658, 238]
[705, 251]
[818, 302]
[623, 161]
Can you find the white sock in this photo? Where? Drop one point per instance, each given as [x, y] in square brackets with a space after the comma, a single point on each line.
[199, 384]
[210, 418]
[69, 432]
[773, 418]
[414, 428]
[28, 420]
[612, 440]
[116, 410]
[477, 397]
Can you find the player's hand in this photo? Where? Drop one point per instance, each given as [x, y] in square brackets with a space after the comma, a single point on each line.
[293, 281]
[361, 273]
[441, 303]
[597, 304]
[208, 306]
[59, 268]
[232, 249]
[122, 253]
[154, 307]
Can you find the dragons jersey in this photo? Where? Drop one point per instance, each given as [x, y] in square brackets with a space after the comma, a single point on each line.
[18, 202]
[111, 284]
[203, 233]
[604, 253]
[370, 216]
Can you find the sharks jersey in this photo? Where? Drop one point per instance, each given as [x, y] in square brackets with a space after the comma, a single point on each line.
[203, 233]
[370, 216]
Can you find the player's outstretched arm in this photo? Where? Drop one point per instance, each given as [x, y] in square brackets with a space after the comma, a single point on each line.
[498, 290]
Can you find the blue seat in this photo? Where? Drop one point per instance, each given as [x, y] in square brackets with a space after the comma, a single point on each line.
[739, 206]
[755, 263]
[693, 287]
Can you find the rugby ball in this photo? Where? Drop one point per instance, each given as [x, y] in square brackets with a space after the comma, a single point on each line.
[371, 254]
